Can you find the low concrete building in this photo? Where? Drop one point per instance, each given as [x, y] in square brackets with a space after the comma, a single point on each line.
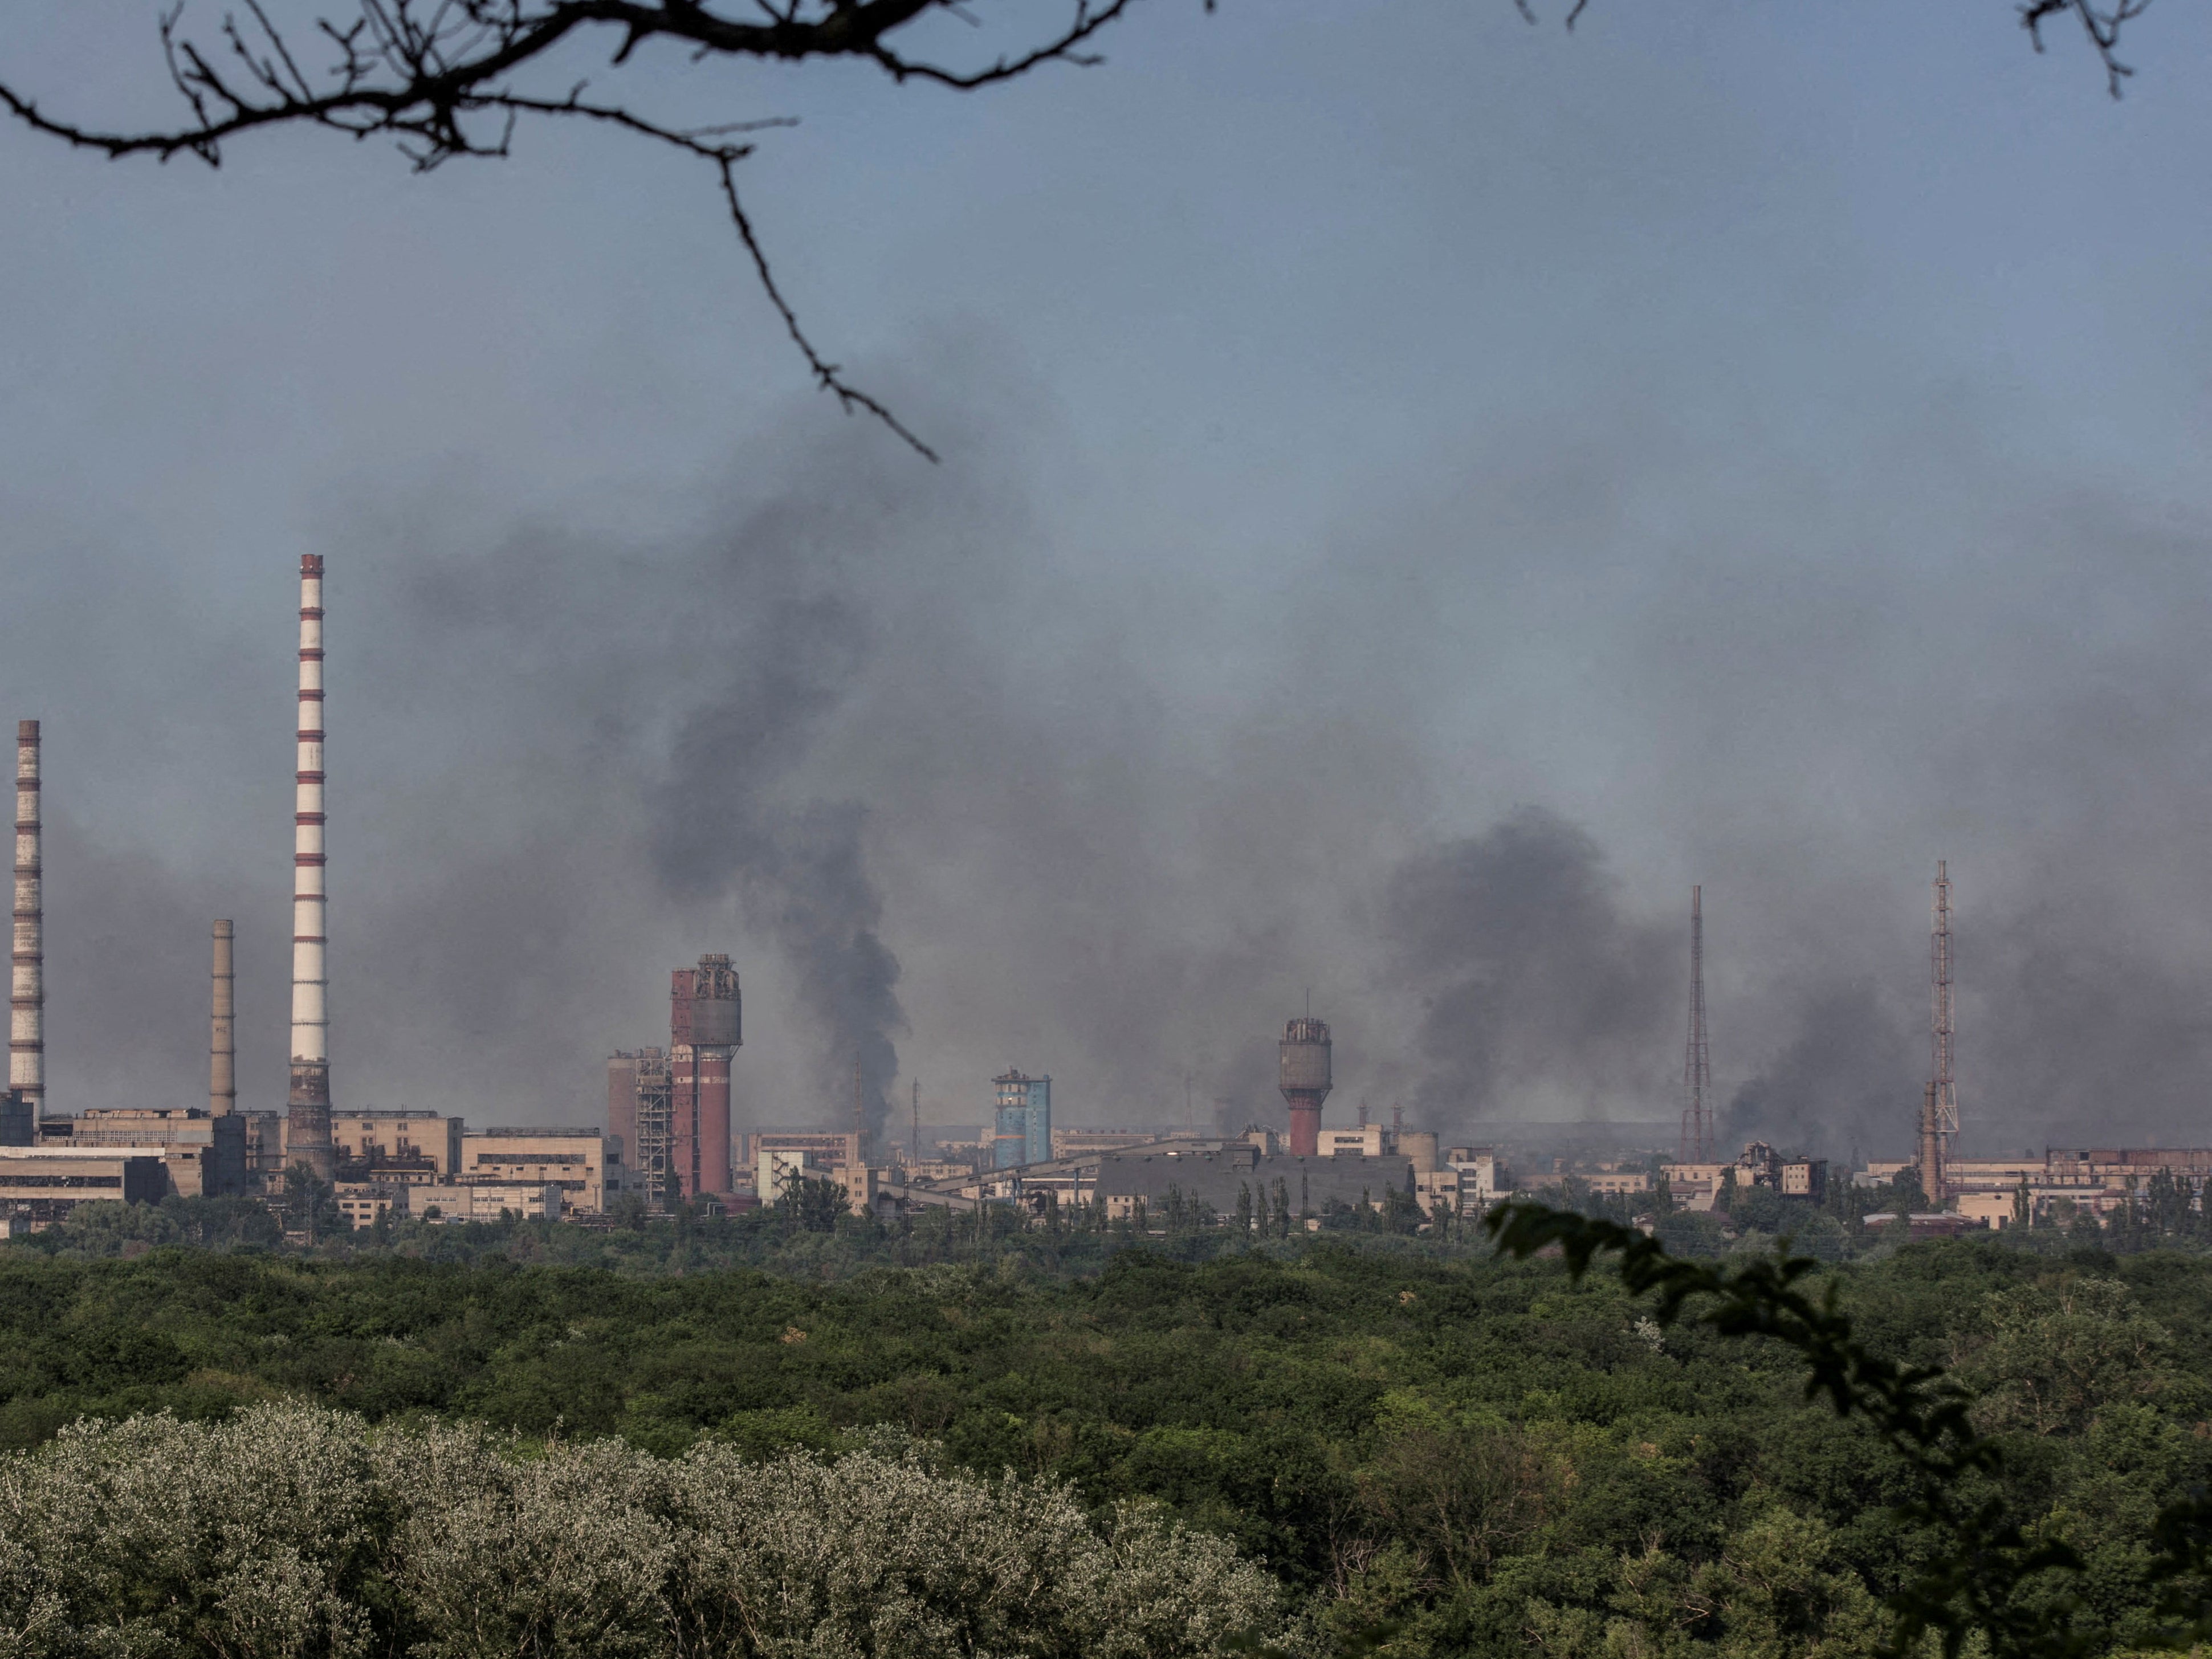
[1364, 1141]
[265, 1150]
[831, 1149]
[363, 1202]
[1697, 1186]
[1075, 1143]
[485, 1200]
[776, 1167]
[1613, 1183]
[1482, 1178]
[203, 1155]
[401, 1147]
[940, 1169]
[1218, 1177]
[41, 1185]
[574, 1160]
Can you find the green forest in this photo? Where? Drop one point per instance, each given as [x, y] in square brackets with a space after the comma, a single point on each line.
[1425, 1448]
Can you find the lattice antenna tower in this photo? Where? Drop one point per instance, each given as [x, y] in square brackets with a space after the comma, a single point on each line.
[1942, 1028]
[1696, 1064]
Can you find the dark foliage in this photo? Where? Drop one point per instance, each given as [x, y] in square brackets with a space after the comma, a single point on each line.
[1463, 1455]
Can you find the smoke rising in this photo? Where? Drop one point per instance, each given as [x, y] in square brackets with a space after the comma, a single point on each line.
[1839, 1084]
[955, 797]
[1540, 996]
[799, 873]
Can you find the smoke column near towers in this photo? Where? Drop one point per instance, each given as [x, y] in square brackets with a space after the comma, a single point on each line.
[843, 729]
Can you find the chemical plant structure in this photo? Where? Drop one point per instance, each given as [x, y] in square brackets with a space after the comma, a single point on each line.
[374, 1163]
[669, 1141]
[1017, 1157]
[1264, 1177]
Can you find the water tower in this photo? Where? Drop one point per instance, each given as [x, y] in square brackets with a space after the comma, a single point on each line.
[1305, 1081]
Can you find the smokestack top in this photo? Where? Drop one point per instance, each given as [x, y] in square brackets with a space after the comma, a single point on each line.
[27, 731]
[222, 930]
[310, 564]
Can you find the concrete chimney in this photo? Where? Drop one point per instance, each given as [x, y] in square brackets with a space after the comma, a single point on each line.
[307, 1117]
[222, 1034]
[27, 1023]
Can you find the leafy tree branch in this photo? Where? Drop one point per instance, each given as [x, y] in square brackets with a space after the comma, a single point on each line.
[1992, 1579]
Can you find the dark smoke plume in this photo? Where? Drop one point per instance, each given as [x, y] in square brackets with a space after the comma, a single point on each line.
[721, 825]
[1534, 986]
[1850, 1078]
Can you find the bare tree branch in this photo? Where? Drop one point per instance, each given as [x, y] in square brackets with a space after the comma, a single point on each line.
[2102, 25]
[440, 78]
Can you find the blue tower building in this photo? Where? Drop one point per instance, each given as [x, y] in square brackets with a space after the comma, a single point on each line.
[1023, 1133]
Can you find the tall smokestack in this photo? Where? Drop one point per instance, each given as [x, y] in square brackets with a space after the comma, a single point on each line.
[27, 1024]
[1931, 1160]
[307, 1121]
[222, 1034]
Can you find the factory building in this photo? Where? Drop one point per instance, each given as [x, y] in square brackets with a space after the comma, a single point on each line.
[201, 1154]
[1218, 1177]
[2090, 1181]
[573, 1160]
[1075, 1143]
[265, 1150]
[41, 1185]
[1697, 1185]
[481, 1200]
[642, 1124]
[400, 1147]
[772, 1155]
[1022, 1130]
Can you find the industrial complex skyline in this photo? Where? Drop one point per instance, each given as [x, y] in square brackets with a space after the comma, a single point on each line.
[1411, 510]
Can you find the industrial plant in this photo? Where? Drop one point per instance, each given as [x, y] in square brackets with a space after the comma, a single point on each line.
[375, 1163]
[670, 1139]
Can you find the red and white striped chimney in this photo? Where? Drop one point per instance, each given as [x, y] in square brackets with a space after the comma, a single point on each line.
[27, 1022]
[308, 1119]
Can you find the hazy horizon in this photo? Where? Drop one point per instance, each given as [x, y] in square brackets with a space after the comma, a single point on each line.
[1414, 501]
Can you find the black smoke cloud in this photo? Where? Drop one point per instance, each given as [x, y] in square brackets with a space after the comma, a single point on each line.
[957, 797]
[1842, 1085]
[1540, 995]
[800, 872]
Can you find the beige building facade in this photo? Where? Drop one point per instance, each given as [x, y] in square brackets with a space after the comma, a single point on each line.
[202, 1155]
[486, 1200]
[41, 1185]
[400, 1147]
[574, 1160]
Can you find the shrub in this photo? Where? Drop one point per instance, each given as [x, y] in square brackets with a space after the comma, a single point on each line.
[290, 1532]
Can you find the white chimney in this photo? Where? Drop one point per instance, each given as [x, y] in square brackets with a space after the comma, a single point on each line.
[307, 1121]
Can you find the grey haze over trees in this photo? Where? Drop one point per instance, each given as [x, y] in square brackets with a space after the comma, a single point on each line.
[446, 80]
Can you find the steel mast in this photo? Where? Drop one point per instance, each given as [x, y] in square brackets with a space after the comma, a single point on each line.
[1697, 1065]
[1942, 1023]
